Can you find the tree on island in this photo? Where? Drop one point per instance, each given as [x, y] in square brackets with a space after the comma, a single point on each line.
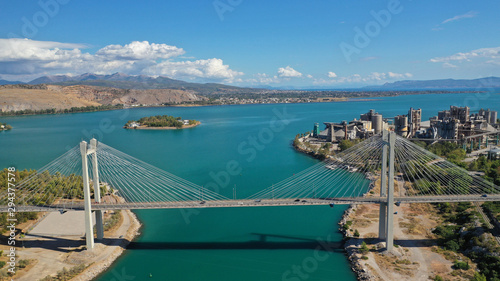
[161, 121]
[5, 126]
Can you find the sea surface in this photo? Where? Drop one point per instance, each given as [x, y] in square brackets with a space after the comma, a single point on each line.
[267, 243]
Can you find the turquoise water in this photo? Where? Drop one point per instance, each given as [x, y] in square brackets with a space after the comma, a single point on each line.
[274, 243]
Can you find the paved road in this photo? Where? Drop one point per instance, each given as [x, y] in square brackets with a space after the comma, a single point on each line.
[256, 203]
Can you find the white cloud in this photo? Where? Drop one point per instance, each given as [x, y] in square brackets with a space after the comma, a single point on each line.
[211, 69]
[483, 57]
[393, 75]
[30, 58]
[492, 53]
[140, 51]
[470, 14]
[288, 72]
[332, 74]
[374, 77]
[449, 65]
[309, 76]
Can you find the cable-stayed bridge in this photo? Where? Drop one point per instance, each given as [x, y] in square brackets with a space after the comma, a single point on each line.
[97, 177]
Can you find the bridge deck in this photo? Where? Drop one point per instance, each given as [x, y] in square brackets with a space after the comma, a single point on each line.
[255, 203]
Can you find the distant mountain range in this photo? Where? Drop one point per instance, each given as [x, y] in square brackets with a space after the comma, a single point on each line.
[5, 82]
[143, 82]
[139, 82]
[481, 83]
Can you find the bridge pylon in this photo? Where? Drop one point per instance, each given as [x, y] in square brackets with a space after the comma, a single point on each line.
[386, 214]
[89, 226]
[97, 190]
[382, 226]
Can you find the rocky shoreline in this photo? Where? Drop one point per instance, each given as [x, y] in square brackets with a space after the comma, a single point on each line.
[351, 246]
[95, 269]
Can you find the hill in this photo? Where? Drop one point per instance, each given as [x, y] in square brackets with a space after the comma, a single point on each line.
[6, 82]
[124, 81]
[38, 97]
[481, 83]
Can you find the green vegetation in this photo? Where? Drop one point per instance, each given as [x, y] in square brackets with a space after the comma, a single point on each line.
[453, 152]
[55, 111]
[491, 168]
[5, 127]
[364, 248]
[112, 221]
[66, 274]
[461, 265]
[493, 208]
[161, 121]
[54, 186]
[356, 233]
[347, 225]
[478, 277]
[438, 278]
[345, 144]
[461, 233]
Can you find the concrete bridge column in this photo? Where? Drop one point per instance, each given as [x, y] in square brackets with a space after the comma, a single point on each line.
[89, 231]
[382, 226]
[390, 195]
[97, 190]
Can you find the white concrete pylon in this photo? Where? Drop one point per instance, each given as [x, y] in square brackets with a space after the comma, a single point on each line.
[89, 231]
[382, 227]
[97, 190]
[390, 195]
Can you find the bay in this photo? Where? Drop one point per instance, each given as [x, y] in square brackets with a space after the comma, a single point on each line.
[273, 243]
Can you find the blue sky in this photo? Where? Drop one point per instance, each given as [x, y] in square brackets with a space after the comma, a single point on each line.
[333, 44]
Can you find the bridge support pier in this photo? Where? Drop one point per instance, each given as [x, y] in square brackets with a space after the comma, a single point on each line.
[382, 226]
[97, 190]
[89, 231]
[390, 195]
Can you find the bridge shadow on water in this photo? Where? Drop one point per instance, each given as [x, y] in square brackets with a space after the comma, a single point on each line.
[67, 245]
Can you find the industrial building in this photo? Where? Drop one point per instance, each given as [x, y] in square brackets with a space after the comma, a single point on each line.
[455, 124]
[369, 124]
[458, 123]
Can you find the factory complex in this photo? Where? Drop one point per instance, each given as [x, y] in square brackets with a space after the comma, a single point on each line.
[458, 124]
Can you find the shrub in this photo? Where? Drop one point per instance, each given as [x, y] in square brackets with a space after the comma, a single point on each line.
[356, 233]
[461, 265]
[23, 263]
[438, 278]
[364, 248]
[452, 245]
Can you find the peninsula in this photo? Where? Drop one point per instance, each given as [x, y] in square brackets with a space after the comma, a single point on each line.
[161, 122]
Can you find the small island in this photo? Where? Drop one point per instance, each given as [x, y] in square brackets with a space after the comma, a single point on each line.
[5, 127]
[161, 122]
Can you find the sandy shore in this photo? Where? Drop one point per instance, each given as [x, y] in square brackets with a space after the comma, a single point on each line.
[52, 253]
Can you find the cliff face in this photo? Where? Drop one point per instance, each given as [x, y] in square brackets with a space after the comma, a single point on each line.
[37, 97]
